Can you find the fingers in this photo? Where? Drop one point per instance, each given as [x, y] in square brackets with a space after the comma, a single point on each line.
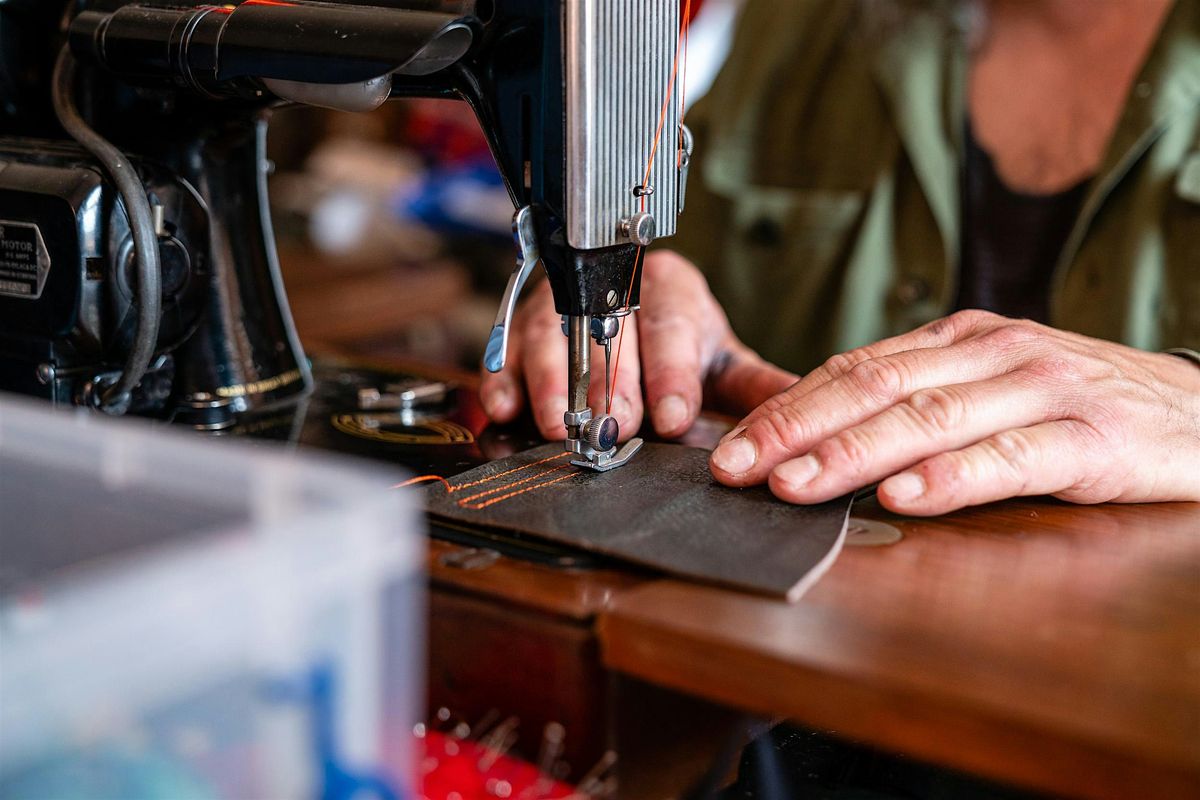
[795, 427]
[673, 349]
[1050, 458]
[939, 333]
[537, 351]
[686, 342]
[929, 422]
[500, 392]
[626, 381]
[681, 328]
[740, 381]
[538, 354]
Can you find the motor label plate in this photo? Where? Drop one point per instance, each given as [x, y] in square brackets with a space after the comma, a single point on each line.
[24, 260]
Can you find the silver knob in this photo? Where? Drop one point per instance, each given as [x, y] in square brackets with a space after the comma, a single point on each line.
[602, 433]
[639, 228]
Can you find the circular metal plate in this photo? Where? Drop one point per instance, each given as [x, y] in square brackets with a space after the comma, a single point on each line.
[871, 533]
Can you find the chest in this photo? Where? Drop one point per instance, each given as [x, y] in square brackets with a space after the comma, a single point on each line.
[1044, 105]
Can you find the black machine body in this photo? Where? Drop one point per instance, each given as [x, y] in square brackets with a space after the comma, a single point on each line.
[183, 90]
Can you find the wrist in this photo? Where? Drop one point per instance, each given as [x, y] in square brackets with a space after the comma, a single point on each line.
[1186, 354]
[1186, 372]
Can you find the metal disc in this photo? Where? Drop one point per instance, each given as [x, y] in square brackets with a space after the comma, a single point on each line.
[871, 533]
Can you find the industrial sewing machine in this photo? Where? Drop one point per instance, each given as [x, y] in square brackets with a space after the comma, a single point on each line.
[137, 263]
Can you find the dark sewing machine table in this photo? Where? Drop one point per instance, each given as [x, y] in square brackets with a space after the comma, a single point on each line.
[1047, 645]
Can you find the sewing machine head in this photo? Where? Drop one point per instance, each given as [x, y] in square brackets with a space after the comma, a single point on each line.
[576, 99]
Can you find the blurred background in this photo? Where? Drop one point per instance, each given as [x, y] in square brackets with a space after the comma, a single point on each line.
[394, 227]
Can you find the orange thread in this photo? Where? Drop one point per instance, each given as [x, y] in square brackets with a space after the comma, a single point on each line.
[683, 41]
[662, 114]
[680, 47]
[465, 502]
[423, 479]
[494, 500]
[534, 477]
[491, 478]
[452, 489]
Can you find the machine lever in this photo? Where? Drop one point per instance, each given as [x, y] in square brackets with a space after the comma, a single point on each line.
[527, 258]
[686, 143]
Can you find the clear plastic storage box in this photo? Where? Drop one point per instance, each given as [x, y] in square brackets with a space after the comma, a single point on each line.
[182, 617]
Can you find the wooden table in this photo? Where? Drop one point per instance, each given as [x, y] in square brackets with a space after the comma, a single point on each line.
[1047, 645]
[1043, 644]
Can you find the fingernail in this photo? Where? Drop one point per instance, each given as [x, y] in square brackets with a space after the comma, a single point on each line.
[735, 456]
[671, 413]
[497, 401]
[733, 434]
[904, 487]
[799, 471]
[551, 412]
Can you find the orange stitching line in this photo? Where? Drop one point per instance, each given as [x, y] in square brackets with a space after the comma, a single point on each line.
[465, 502]
[491, 478]
[452, 489]
[486, 492]
[486, 503]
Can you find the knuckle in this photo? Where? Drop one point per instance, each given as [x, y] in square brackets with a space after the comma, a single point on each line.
[1056, 368]
[946, 473]
[938, 410]
[1015, 453]
[842, 363]
[961, 322]
[783, 426]
[849, 451]
[880, 379]
[1012, 335]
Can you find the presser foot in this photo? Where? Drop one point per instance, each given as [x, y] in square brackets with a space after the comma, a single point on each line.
[609, 459]
[594, 441]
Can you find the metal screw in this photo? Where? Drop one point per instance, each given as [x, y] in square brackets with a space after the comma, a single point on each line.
[46, 373]
[640, 228]
[612, 298]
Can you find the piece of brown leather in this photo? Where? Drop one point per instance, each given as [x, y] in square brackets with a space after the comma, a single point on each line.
[663, 510]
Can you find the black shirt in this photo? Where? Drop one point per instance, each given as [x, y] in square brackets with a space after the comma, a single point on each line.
[1011, 240]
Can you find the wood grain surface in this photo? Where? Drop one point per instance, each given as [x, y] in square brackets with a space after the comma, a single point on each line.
[1040, 643]
[1044, 644]
[573, 594]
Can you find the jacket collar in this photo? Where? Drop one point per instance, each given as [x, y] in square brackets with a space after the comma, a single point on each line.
[1167, 86]
[921, 69]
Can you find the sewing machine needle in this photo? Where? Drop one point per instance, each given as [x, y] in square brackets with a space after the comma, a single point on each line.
[607, 377]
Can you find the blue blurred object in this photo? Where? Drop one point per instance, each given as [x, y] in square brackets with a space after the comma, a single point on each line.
[317, 692]
[124, 773]
[462, 199]
[153, 582]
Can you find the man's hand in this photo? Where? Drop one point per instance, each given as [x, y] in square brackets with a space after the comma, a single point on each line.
[680, 343]
[974, 408]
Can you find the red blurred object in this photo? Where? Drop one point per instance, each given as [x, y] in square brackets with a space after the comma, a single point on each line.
[457, 768]
[683, 4]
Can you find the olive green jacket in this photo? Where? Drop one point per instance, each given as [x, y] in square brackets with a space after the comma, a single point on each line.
[823, 202]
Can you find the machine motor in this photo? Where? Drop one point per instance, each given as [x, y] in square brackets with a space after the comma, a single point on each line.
[67, 282]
